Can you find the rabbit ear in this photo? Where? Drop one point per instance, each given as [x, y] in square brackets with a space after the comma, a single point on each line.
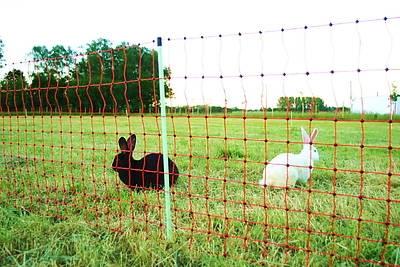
[131, 142]
[123, 145]
[306, 138]
[314, 134]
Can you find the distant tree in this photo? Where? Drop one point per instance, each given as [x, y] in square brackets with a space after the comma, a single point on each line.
[13, 96]
[56, 60]
[298, 104]
[313, 104]
[1, 53]
[124, 78]
[49, 80]
[40, 54]
[308, 103]
[394, 96]
[319, 104]
[285, 103]
[105, 79]
[91, 78]
[61, 59]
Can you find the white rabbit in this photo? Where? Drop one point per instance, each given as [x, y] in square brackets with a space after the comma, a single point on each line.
[277, 172]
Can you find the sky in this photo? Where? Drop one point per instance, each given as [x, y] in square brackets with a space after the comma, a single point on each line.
[24, 24]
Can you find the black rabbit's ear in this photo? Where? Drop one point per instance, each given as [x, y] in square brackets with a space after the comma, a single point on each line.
[132, 142]
[123, 145]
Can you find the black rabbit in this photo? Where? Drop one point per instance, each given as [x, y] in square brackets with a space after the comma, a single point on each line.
[148, 172]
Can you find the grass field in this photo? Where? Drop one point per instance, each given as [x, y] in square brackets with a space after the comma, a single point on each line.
[61, 203]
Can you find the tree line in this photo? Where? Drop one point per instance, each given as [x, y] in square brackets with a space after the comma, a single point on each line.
[102, 79]
[304, 104]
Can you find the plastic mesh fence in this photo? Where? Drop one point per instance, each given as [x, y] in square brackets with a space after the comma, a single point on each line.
[250, 185]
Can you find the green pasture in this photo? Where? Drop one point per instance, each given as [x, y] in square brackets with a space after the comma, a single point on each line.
[62, 204]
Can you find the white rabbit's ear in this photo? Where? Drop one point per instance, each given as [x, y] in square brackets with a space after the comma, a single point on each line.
[131, 142]
[306, 138]
[314, 134]
[123, 145]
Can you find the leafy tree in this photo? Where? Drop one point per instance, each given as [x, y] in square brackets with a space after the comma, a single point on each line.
[313, 104]
[118, 79]
[299, 104]
[318, 104]
[285, 103]
[104, 79]
[40, 54]
[394, 96]
[1, 53]
[51, 75]
[13, 96]
[61, 59]
[56, 60]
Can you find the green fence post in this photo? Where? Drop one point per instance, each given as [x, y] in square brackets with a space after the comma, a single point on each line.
[164, 141]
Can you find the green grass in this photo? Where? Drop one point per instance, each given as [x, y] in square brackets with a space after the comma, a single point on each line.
[63, 205]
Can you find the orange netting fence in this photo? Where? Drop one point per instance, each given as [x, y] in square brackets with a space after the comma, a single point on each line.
[283, 144]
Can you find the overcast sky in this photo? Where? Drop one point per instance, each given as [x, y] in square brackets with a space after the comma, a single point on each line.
[24, 24]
